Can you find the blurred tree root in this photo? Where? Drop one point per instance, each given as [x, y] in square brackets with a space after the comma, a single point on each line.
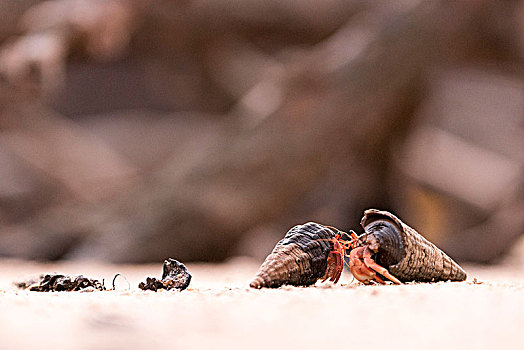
[299, 135]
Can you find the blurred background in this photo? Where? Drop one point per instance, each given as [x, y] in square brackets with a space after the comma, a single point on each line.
[135, 130]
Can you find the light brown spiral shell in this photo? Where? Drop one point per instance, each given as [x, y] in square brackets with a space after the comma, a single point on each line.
[420, 260]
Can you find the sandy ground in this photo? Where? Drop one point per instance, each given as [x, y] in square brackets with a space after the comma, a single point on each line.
[218, 311]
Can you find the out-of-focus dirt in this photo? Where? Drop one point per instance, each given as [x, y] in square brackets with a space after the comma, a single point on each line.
[218, 310]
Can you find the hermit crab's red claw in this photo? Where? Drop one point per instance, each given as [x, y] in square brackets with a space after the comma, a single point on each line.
[335, 266]
[364, 268]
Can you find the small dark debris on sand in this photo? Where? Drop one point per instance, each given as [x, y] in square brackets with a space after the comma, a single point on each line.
[61, 283]
[175, 276]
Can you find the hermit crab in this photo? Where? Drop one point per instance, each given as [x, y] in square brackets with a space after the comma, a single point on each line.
[387, 250]
[407, 255]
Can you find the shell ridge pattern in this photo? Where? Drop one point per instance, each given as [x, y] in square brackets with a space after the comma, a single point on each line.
[300, 258]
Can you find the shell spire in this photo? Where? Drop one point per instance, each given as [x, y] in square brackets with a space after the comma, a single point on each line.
[417, 259]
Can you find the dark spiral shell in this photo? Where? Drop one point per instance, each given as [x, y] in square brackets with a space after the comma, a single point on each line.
[299, 259]
[405, 253]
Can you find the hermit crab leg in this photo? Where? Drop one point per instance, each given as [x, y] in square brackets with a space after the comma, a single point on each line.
[369, 262]
[334, 267]
[352, 236]
[335, 260]
[339, 266]
[338, 271]
[379, 280]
